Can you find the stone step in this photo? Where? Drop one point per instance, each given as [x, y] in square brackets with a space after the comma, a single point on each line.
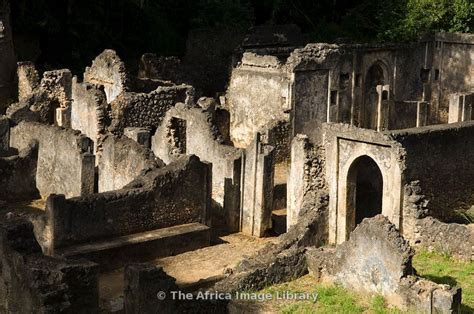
[117, 252]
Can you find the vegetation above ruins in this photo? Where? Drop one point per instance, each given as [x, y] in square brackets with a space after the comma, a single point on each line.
[69, 33]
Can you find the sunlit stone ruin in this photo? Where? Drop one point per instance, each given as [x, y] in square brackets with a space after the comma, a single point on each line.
[338, 160]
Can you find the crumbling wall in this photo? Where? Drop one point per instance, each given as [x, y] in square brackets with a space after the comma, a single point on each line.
[201, 138]
[18, 175]
[65, 163]
[377, 259]
[260, 86]
[438, 175]
[121, 161]
[89, 111]
[33, 283]
[28, 79]
[306, 179]
[49, 99]
[281, 261]
[449, 238]
[176, 194]
[146, 109]
[109, 71]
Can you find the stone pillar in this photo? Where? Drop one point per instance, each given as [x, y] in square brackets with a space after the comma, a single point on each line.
[54, 222]
[148, 290]
[257, 188]
[296, 178]
[28, 79]
[455, 108]
[421, 113]
[140, 135]
[63, 117]
[87, 174]
[232, 189]
[460, 107]
[383, 107]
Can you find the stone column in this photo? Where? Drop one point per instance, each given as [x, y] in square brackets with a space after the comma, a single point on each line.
[257, 188]
[296, 178]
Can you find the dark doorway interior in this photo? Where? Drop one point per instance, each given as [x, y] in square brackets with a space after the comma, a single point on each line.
[369, 185]
[365, 190]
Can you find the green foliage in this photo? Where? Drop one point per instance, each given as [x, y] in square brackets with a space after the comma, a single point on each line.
[69, 33]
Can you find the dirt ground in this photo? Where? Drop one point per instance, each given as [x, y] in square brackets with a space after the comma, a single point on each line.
[188, 268]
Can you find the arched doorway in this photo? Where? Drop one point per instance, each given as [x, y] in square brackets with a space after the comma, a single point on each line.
[364, 195]
[375, 76]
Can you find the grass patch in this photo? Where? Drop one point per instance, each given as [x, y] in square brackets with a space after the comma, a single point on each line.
[330, 299]
[437, 267]
[443, 269]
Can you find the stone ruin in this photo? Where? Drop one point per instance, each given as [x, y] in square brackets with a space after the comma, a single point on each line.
[332, 147]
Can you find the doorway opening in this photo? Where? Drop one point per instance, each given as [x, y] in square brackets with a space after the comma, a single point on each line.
[365, 191]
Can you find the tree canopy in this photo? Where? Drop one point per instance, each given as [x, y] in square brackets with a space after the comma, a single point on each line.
[71, 32]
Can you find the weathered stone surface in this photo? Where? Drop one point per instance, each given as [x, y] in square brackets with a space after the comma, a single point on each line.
[451, 238]
[143, 282]
[121, 161]
[281, 261]
[190, 130]
[109, 71]
[140, 135]
[33, 283]
[179, 193]
[407, 160]
[146, 109]
[306, 180]
[65, 164]
[257, 189]
[18, 112]
[18, 175]
[377, 259]
[28, 79]
[262, 88]
[89, 111]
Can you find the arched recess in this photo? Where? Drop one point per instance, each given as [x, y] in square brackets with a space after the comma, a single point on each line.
[376, 74]
[364, 191]
[386, 161]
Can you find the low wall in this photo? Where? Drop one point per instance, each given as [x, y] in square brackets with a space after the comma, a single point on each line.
[121, 161]
[449, 238]
[65, 163]
[33, 283]
[176, 194]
